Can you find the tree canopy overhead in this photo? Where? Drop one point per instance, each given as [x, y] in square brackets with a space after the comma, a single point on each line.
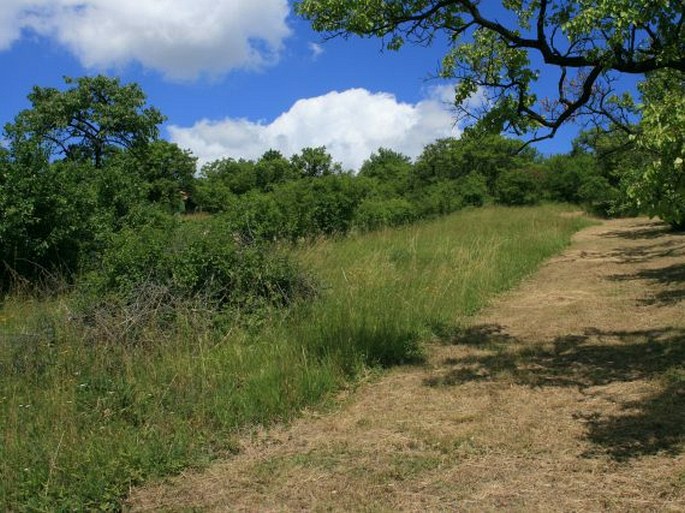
[587, 42]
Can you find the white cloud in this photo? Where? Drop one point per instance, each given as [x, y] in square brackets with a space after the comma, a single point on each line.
[352, 124]
[11, 21]
[180, 38]
[316, 50]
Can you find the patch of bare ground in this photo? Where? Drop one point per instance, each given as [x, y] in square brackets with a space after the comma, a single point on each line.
[557, 398]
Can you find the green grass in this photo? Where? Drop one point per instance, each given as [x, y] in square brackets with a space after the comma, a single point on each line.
[83, 420]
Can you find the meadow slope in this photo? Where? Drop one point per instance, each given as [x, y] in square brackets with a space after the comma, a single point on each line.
[566, 394]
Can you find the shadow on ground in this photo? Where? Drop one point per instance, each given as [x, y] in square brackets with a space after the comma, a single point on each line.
[671, 281]
[653, 230]
[651, 425]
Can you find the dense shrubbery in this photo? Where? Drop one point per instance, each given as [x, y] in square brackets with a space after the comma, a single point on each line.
[177, 261]
[64, 198]
[374, 213]
[658, 186]
[516, 187]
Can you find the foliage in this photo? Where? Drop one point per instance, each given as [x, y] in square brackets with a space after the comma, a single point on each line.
[375, 213]
[315, 162]
[391, 171]
[614, 151]
[566, 175]
[496, 54]
[473, 189]
[169, 174]
[488, 155]
[79, 161]
[229, 175]
[519, 187]
[660, 188]
[87, 121]
[438, 198]
[273, 168]
[580, 178]
[194, 260]
[48, 218]
[598, 196]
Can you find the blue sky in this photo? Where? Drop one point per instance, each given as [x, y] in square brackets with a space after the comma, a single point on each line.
[235, 77]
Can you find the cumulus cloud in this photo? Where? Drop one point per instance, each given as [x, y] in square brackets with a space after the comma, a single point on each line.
[180, 38]
[352, 124]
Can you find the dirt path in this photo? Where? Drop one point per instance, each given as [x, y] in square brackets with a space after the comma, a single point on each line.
[567, 394]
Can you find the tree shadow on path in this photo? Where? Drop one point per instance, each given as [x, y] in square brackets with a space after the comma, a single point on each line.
[671, 281]
[651, 425]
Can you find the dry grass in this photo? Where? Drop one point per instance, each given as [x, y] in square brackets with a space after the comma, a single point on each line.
[568, 394]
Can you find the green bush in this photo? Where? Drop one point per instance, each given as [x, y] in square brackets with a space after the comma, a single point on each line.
[256, 216]
[374, 213]
[597, 195]
[518, 187]
[473, 189]
[311, 207]
[49, 219]
[175, 260]
[438, 199]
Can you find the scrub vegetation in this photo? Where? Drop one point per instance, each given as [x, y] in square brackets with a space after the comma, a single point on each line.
[94, 404]
[148, 314]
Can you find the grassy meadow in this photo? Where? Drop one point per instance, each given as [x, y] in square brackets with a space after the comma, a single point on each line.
[84, 417]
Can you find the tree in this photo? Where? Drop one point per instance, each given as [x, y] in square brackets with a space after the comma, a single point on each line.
[238, 176]
[48, 218]
[273, 168]
[585, 42]
[659, 188]
[85, 122]
[487, 155]
[78, 162]
[390, 170]
[315, 162]
[169, 173]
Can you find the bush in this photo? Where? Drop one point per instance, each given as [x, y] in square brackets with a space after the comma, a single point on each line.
[518, 187]
[438, 199]
[174, 261]
[256, 216]
[374, 213]
[49, 219]
[597, 195]
[473, 189]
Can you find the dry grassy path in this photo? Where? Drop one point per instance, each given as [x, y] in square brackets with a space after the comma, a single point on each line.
[565, 395]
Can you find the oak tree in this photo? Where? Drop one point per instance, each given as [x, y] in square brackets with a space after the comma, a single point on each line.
[500, 50]
[85, 122]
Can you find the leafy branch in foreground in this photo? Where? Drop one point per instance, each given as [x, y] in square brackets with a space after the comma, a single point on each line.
[586, 43]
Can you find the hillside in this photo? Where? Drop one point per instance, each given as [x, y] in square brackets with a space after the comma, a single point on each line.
[567, 394]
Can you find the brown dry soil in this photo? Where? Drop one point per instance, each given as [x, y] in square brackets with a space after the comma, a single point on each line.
[566, 394]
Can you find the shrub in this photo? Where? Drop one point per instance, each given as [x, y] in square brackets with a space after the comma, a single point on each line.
[438, 198]
[518, 187]
[374, 213]
[473, 189]
[256, 216]
[49, 218]
[165, 261]
[597, 195]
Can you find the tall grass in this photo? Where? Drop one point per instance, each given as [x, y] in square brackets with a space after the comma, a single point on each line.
[83, 420]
